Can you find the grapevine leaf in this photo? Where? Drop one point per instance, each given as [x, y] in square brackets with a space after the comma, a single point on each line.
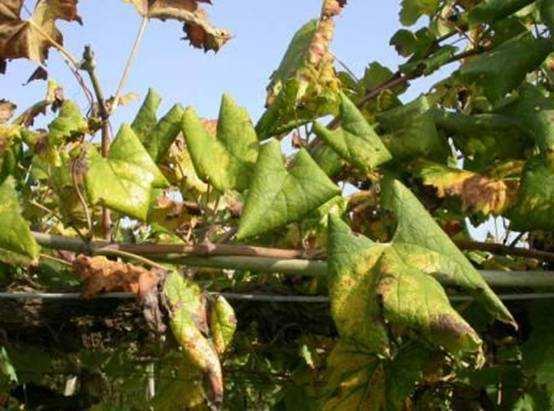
[534, 206]
[378, 281]
[278, 196]
[477, 192]
[158, 141]
[187, 304]
[304, 85]
[502, 69]
[30, 39]
[146, 118]
[101, 275]
[124, 181]
[535, 110]
[355, 141]
[226, 160]
[68, 124]
[547, 13]
[200, 32]
[490, 11]
[411, 132]
[412, 10]
[359, 380]
[421, 242]
[409, 43]
[429, 64]
[17, 244]
[223, 324]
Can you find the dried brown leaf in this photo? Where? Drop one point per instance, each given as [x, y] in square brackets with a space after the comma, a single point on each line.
[198, 29]
[31, 39]
[7, 109]
[101, 275]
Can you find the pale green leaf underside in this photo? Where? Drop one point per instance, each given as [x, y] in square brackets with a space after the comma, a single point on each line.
[226, 160]
[355, 141]
[125, 180]
[278, 196]
[158, 141]
[17, 244]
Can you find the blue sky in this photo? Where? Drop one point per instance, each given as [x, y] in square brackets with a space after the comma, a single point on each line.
[261, 29]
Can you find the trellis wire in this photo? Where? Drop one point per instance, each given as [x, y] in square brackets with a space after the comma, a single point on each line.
[318, 299]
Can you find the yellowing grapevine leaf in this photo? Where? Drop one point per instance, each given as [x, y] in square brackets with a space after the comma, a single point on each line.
[17, 244]
[305, 84]
[200, 32]
[477, 192]
[355, 141]
[223, 324]
[125, 180]
[278, 196]
[225, 160]
[188, 310]
[32, 38]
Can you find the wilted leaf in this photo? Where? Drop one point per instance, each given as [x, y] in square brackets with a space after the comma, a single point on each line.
[422, 243]
[170, 214]
[355, 141]
[223, 324]
[278, 196]
[188, 310]
[17, 244]
[534, 206]
[31, 38]
[68, 124]
[477, 192]
[502, 69]
[101, 275]
[305, 84]
[225, 160]
[379, 282]
[124, 181]
[200, 32]
[7, 109]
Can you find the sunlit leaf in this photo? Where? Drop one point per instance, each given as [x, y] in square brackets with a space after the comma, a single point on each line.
[279, 195]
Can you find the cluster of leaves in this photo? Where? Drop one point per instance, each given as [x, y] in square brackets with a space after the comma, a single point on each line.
[479, 144]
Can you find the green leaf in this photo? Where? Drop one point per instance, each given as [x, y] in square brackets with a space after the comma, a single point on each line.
[146, 118]
[355, 141]
[17, 244]
[490, 11]
[502, 69]
[69, 123]
[226, 161]
[547, 14]
[188, 306]
[7, 370]
[412, 10]
[430, 64]
[409, 43]
[535, 111]
[421, 242]
[125, 180]
[534, 207]
[411, 132]
[223, 324]
[278, 196]
[371, 285]
[158, 141]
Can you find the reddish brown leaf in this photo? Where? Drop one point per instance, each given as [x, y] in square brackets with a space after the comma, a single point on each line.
[101, 275]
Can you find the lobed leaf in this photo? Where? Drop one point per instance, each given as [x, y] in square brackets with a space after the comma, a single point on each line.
[278, 196]
[125, 180]
[226, 160]
[17, 244]
[355, 140]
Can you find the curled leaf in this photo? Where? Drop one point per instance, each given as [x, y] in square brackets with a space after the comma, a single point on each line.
[200, 32]
[101, 275]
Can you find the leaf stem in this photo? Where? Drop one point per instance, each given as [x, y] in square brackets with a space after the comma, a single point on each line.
[129, 64]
